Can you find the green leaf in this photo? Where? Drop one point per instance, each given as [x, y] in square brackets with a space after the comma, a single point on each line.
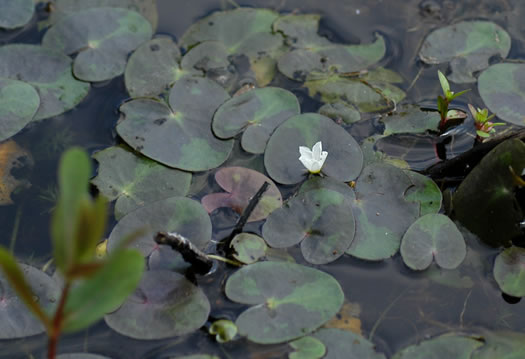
[224, 330]
[343, 344]
[104, 292]
[307, 348]
[411, 119]
[444, 83]
[15, 13]
[444, 346]
[457, 94]
[509, 271]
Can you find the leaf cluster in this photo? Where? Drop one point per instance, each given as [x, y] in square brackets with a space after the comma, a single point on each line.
[484, 127]
[444, 101]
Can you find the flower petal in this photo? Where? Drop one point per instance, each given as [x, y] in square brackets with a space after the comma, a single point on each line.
[305, 152]
[316, 150]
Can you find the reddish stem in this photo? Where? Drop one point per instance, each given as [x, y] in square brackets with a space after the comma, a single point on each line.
[56, 325]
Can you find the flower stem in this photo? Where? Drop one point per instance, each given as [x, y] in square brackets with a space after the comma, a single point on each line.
[56, 327]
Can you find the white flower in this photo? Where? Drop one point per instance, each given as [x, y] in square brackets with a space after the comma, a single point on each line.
[313, 159]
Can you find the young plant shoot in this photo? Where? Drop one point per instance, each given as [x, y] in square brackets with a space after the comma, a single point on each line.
[444, 101]
[484, 127]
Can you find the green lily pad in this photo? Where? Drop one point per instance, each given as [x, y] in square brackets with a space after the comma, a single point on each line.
[467, 46]
[320, 219]
[19, 102]
[301, 31]
[371, 155]
[307, 348]
[509, 271]
[343, 344]
[17, 321]
[176, 214]
[411, 119]
[281, 159]
[249, 248]
[433, 236]
[178, 136]
[425, 191]
[241, 185]
[381, 211]
[501, 345]
[154, 67]
[501, 88]
[81, 356]
[164, 305]
[444, 346]
[64, 8]
[108, 36]
[257, 112]
[340, 112]
[318, 182]
[15, 13]
[322, 60]
[198, 356]
[206, 56]
[134, 181]
[289, 300]
[49, 72]
[485, 202]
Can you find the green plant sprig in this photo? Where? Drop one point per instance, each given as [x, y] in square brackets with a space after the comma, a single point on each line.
[92, 286]
[484, 127]
[444, 101]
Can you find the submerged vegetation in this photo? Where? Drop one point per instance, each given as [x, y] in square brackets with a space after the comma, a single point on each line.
[226, 109]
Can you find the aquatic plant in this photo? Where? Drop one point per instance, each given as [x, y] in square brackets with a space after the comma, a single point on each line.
[313, 159]
[484, 127]
[91, 287]
[444, 101]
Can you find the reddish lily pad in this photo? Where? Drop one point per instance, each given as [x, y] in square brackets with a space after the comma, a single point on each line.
[344, 161]
[289, 300]
[509, 271]
[257, 112]
[241, 184]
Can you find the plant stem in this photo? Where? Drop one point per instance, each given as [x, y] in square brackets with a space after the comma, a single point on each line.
[57, 323]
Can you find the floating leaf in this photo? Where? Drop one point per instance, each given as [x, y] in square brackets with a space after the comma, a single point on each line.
[12, 157]
[164, 305]
[444, 346]
[15, 13]
[467, 46]
[154, 67]
[485, 201]
[501, 88]
[433, 236]
[257, 112]
[340, 112]
[320, 219]
[307, 348]
[411, 119]
[19, 102]
[49, 72]
[179, 136]
[241, 185]
[81, 356]
[198, 356]
[206, 56]
[64, 8]
[249, 248]
[301, 31]
[133, 180]
[501, 345]
[425, 191]
[318, 182]
[289, 300]
[344, 161]
[17, 321]
[342, 344]
[224, 330]
[318, 61]
[381, 212]
[347, 319]
[108, 36]
[371, 155]
[509, 271]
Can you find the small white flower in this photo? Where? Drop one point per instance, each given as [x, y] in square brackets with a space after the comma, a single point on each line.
[313, 159]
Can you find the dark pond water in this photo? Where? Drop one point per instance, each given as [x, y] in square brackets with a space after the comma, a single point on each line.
[398, 307]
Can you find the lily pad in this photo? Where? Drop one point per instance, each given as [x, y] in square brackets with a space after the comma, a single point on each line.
[501, 88]
[467, 46]
[301, 31]
[17, 321]
[257, 112]
[134, 181]
[249, 248]
[289, 300]
[241, 185]
[15, 13]
[49, 72]
[176, 214]
[318, 182]
[108, 36]
[425, 191]
[372, 155]
[381, 211]
[344, 161]
[340, 112]
[19, 102]
[64, 8]
[321, 60]
[411, 119]
[433, 236]
[320, 219]
[206, 56]
[444, 346]
[509, 271]
[178, 136]
[307, 348]
[501, 345]
[81, 356]
[164, 305]
[342, 344]
[154, 67]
